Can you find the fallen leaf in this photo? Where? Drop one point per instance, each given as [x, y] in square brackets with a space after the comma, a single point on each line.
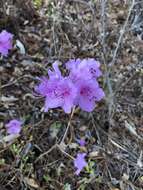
[31, 182]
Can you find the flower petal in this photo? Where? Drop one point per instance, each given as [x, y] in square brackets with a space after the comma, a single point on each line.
[86, 104]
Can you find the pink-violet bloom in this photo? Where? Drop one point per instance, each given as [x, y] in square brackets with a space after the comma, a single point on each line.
[14, 126]
[79, 88]
[5, 42]
[80, 162]
[89, 93]
[81, 142]
[73, 64]
[56, 74]
[58, 93]
[49, 84]
[62, 94]
[83, 69]
[43, 87]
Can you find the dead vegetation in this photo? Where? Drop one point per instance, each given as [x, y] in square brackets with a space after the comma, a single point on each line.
[110, 31]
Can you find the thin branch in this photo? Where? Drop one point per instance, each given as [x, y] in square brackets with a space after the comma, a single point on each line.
[108, 79]
[122, 31]
[51, 149]
[103, 18]
[45, 153]
[59, 145]
[68, 126]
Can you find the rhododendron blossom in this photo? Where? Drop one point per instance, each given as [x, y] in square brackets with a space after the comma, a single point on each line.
[58, 91]
[61, 93]
[79, 88]
[88, 93]
[56, 74]
[83, 69]
[5, 42]
[14, 126]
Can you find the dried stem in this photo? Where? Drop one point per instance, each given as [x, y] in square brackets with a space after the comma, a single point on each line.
[103, 19]
[60, 145]
[122, 31]
[68, 126]
[110, 66]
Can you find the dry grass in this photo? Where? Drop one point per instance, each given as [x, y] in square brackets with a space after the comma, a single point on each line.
[110, 31]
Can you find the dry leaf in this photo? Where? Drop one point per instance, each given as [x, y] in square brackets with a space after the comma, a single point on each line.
[31, 182]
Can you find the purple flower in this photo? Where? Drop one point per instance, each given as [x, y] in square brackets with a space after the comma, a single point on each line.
[42, 88]
[48, 85]
[80, 162]
[88, 93]
[56, 74]
[72, 64]
[81, 142]
[61, 93]
[79, 88]
[58, 93]
[5, 42]
[14, 126]
[83, 69]
[92, 66]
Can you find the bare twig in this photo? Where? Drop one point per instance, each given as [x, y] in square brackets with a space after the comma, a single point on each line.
[122, 31]
[68, 126]
[59, 145]
[96, 129]
[107, 78]
[45, 153]
[103, 17]
[109, 68]
[65, 153]
[51, 149]
[15, 81]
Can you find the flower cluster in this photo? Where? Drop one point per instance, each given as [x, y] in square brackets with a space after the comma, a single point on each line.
[5, 42]
[79, 88]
